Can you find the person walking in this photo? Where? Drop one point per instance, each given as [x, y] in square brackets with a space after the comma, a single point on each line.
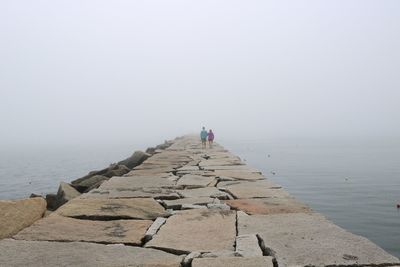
[203, 137]
[210, 138]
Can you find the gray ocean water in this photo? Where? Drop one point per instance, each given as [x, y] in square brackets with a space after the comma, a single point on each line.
[353, 182]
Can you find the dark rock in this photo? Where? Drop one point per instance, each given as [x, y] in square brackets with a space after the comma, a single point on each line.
[35, 195]
[165, 145]
[89, 182]
[65, 193]
[151, 150]
[51, 200]
[136, 159]
[94, 177]
[90, 174]
[118, 170]
[96, 185]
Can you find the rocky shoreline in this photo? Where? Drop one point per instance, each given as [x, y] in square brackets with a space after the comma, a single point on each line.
[176, 205]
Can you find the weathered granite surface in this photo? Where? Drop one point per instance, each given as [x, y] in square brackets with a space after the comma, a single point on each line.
[15, 215]
[59, 228]
[220, 162]
[203, 192]
[247, 246]
[233, 262]
[254, 189]
[301, 239]
[188, 168]
[197, 230]
[231, 168]
[16, 253]
[191, 181]
[149, 192]
[125, 183]
[239, 175]
[151, 171]
[107, 209]
[177, 203]
[268, 205]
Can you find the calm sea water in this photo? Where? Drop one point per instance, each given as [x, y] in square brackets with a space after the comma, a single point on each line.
[39, 170]
[355, 183]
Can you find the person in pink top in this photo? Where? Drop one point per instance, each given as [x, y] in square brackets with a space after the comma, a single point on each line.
[210, 138]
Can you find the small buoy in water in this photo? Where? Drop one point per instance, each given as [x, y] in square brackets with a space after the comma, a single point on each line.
[398, 205]
[269, 155]
[273, 173]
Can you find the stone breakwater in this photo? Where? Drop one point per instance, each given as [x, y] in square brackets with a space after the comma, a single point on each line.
[182, 206]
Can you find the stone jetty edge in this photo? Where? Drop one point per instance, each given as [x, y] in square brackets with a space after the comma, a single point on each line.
[176, 204]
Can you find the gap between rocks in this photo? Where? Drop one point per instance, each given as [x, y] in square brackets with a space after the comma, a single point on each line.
[266, 250]
[81, 241]
[229, 193]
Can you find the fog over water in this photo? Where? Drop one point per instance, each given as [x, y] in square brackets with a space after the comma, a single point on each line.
[314, 84]
[78, 72]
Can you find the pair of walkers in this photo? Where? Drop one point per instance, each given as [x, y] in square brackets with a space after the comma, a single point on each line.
[204, 135]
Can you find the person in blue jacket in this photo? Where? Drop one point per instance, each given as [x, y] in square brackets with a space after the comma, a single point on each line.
[203, 137]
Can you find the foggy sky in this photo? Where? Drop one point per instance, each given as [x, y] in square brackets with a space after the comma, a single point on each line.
[100, 71]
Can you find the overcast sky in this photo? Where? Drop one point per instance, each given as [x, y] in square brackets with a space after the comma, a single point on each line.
[100, 71]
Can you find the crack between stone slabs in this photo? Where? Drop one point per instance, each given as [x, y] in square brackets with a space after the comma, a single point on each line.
[162, 203]
[110, 218]
[228, 192]
[146, 240]
[236, 230]
[216, 184]
[266, 250]
[165, 197]
[190, 187]
[82, 241]
[171, 250]
[179, 177]
[206, 157]
[189, 261]
[182, 263]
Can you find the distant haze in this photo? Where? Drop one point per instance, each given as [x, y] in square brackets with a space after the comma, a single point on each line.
[76, 72]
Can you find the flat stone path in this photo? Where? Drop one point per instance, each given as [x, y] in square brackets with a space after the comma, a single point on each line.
[304, 239]
[267, 206]
[17, 253]
[113, 209]
[60, 228]
[205, 231]
[188, 206]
